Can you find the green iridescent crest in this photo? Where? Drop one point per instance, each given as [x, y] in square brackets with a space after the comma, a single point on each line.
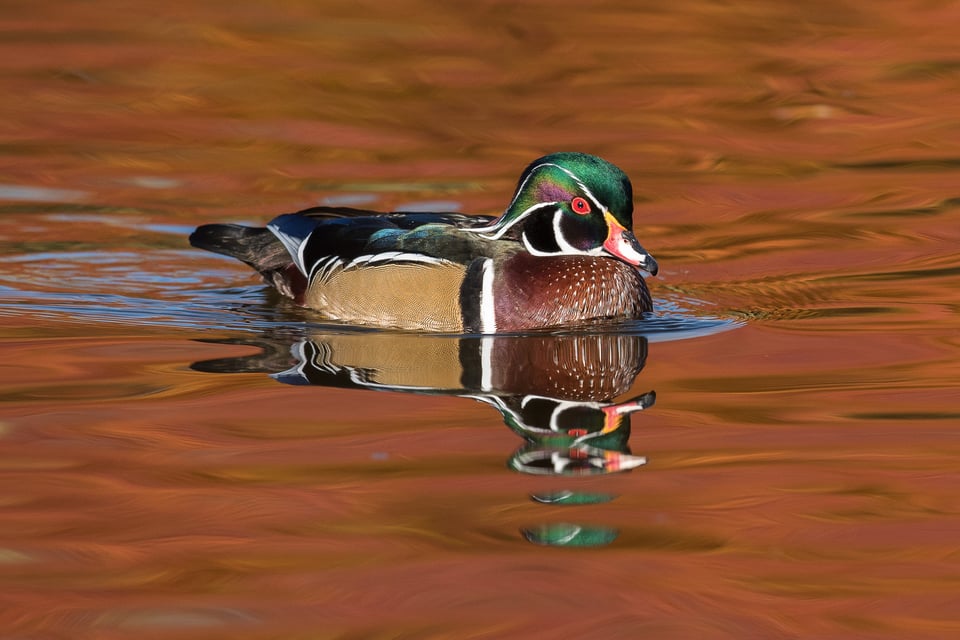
[563, 181]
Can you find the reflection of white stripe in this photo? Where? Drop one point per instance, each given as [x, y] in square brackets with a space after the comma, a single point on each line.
[486, 364]
[488, 311]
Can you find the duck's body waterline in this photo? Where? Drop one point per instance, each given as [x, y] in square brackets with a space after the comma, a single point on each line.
[562, 255]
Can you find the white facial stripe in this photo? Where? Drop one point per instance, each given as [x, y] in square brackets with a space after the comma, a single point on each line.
[530, 248]
[582, 186]
[566, 249]
[488, 310]
[596, 202]
[534, 170]
[524, 183]
[499, 232]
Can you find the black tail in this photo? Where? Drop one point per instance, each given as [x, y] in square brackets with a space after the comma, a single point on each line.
[259, 248]
[256, 246]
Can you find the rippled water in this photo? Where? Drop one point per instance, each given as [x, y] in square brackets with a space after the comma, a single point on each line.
[772, 453]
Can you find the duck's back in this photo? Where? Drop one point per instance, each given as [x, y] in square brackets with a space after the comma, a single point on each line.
[402, 270]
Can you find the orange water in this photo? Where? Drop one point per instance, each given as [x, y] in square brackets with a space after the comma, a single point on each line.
[797, 169]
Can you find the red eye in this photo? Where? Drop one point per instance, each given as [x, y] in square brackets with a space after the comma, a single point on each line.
[581, 206]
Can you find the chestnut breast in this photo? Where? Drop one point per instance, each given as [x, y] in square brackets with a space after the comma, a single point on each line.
[533, 291]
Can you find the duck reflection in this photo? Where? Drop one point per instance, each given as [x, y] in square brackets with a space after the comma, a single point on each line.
[554, 391]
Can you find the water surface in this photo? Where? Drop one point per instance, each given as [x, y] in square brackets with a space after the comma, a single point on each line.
[771, 454]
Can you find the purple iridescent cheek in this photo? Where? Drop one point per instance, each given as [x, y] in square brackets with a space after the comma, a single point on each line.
[547, 192]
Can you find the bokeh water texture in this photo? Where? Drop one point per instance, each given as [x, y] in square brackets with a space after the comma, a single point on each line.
[184, 456]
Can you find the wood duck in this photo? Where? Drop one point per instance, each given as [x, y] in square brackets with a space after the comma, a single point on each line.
[562, 254]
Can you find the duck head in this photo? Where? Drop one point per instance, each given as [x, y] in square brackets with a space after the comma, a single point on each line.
[574, 204]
